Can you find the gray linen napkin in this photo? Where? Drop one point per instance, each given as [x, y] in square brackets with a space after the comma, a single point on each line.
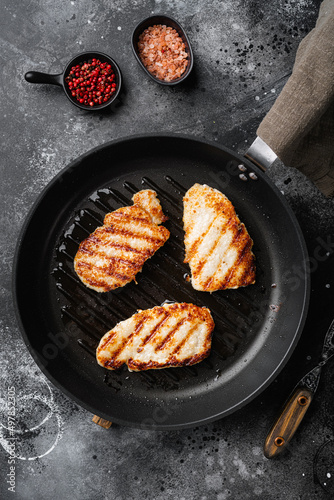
[299, 127]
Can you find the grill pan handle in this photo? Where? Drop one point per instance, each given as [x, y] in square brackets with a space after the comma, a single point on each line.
[102, 422]
[261, 154]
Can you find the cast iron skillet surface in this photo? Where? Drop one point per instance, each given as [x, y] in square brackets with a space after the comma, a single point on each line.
[62, 321]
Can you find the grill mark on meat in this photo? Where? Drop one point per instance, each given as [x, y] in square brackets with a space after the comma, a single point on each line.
[119, 246]
[201, 264]
[154, 331]
[193, 248]
[126, 341]
[196, 270]
[134, 263]
[86, 250]
[238, 232]
[108, 340]
[243, 251]
[128, 248]
[127, 262]
[87, 244]
[109, 267]
[90, 279]
[184, 340]
[170, 334]
[112, 261]
[131, 234]
[126, 218]
[106, 269]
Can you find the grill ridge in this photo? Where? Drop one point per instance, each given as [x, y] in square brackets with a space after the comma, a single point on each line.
[162, 194]
[87, 347]
[174, 183]
[78, 322]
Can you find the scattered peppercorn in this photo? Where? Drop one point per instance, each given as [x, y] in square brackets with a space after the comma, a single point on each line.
[91, 82]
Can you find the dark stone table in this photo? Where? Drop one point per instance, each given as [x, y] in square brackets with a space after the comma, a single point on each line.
[244, 52]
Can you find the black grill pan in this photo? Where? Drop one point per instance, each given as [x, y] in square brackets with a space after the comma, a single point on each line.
[62, 321]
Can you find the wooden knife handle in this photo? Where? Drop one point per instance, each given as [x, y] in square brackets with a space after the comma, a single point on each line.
[287, 423]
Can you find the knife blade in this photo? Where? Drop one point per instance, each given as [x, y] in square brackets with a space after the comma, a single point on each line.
[298, 403]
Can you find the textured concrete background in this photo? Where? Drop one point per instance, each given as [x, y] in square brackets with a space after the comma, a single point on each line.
[244, 52]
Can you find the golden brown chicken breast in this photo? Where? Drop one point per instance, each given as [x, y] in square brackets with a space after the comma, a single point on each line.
[115, 252]
[171, 335]
[218, 246]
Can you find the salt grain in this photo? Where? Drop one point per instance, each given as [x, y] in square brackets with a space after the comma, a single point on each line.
[163, 52]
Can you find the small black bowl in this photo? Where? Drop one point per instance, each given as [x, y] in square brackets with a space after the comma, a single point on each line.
[60, 79]
[168, 21]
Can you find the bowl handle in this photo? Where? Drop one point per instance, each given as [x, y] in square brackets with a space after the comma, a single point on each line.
[37, 77]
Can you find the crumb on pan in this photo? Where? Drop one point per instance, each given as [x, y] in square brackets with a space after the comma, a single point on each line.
[163, 52]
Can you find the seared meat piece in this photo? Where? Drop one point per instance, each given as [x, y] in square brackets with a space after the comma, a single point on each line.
[115, 252]
[147, 200]
[171, 335]
[218, 246]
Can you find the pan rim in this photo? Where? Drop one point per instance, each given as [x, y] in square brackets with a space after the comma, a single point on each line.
[194, 422]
